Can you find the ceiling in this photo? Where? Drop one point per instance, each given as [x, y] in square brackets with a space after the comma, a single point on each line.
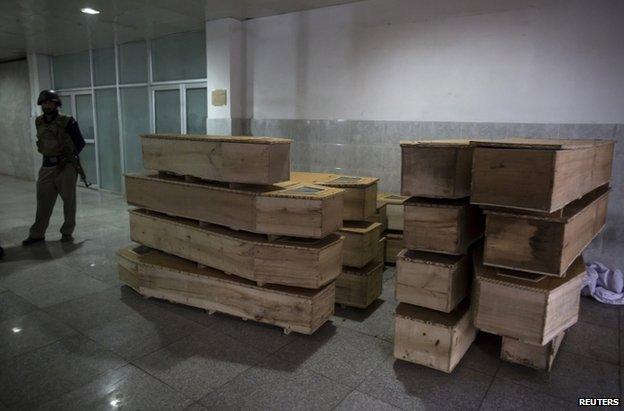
[58, 27]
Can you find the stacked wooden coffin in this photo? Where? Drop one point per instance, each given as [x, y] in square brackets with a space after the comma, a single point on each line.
[544, 201]
[390, 208]
[360, 282]
[433, 321]
[220, 229]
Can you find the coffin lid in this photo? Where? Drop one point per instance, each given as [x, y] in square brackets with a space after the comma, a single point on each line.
[219, 139]
[540, 143]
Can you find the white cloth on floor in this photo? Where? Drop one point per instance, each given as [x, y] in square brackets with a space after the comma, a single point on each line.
[604, 284]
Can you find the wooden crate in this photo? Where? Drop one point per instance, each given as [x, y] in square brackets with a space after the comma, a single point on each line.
[299, 210]
[394, 209]
[538, 175]
[394, 245]
[439, 169]
[381, 251]
[360, 193]
[545, 244]
[177, 280]
[431, 280]
[532, 308]
[380, 216]
[251, 160]
[431, 338]
[359, 287]
[440, 225]
[540, 357]
[361, 241]
[299, 262]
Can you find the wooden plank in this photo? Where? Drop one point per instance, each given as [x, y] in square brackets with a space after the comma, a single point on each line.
[540, 143]
[394, 209]
[431, 338]
[359, 287]
[298, 211]
[171, 278]
[380, 216]
[440, 225]
[381, 251]
[438, 169]
[545, 245]
[530, 307]
[251, 160]
[287, 260]
[436, 281]
[360, 193]
[539, 177]
[361, 241]
[394, 245]
[540, 357]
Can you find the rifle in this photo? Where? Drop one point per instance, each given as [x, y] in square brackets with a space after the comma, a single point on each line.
[75, 162]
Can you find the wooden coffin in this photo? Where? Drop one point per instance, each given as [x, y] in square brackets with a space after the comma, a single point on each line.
[251, 160]
[361, 242]
[538, 175]
[431, 338]
[381, 251]
[394, 245]
[359, 287]
[298, 211]
[360, 193]
[299, 262]
[439, 169]
[540, 357]
[532, 308]
[545, 244]
[177, 280]
[431, 280]
[440, 225]
[394, 209]
[380, 216]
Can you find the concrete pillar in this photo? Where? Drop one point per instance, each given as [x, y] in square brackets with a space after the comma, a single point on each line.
[40, 75]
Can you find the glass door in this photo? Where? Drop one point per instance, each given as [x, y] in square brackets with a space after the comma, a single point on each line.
[167, 109]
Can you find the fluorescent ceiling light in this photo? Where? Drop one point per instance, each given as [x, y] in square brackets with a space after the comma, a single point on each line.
[89, 10]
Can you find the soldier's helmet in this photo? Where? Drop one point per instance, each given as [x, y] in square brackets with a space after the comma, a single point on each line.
[49, 95]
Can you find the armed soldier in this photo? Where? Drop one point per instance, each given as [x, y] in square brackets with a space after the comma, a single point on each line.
[60, 141]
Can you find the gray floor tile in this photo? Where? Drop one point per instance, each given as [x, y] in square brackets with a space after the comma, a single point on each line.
[141, 333]
[201, 362]
[505, 395]
[12, 306]
[411, 386]
[196, 407]
[124, 388]
[338, 353]
[53, 370]
[590, 340]
[484, 354]
[36, 329]
[572, 376]
[95, 264]
[600, 314]
[50, 283]
[357, 401]
[97, 309]
[277, 385]
[197, 315]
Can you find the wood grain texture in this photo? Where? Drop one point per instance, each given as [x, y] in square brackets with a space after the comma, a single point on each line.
[529, 307]
[539, 177]
[433, 339]
[436, 169]
[299, 211]
[545, 245]
[285, 260]
[359, 287]
[394, 245]
[380, 216]
[431, 280]
[394, 209]
[443, 226]
[171, 278]
[540, 357]
[251, 160]
[361, 242]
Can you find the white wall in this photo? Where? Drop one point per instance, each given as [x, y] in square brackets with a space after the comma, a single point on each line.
[482, 60]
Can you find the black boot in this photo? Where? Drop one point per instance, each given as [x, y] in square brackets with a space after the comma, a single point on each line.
[31, 240]
[1, 252]
[67, 238]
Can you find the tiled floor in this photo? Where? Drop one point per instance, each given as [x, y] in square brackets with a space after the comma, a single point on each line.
[71, 337]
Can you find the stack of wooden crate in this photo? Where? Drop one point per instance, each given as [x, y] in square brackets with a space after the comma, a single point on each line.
[222, 229]
[433, 321]
[390, 208]
[544, 201]
[360, 282]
